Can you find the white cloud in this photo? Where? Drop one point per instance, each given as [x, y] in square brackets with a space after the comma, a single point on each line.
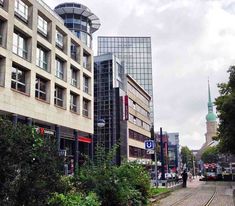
[191, 40]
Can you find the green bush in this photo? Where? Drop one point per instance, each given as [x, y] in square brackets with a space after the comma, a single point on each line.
[128, 184]
[74, 199]
[30, 166]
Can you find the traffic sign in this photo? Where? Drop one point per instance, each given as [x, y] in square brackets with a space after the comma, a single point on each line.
[150, 151]
[149, 144]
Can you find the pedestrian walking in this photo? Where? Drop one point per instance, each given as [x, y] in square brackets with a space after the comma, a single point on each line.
[185, 177]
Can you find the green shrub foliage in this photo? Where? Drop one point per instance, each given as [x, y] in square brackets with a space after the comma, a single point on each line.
[30, 166]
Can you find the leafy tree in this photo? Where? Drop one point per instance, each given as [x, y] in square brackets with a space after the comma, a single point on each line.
[225, 105]
[210, 155]
[187, 157]
[30, 166]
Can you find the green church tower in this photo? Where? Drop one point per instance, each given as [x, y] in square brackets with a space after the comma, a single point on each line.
[211, 123]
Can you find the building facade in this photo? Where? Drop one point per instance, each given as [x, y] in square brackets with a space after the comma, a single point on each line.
[124, 105]
[174, 155]
[42, 82]
[136, 56]
[211, 123]
[80, 20]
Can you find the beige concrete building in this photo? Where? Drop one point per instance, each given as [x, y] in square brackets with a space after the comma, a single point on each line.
[138, 124]
[46, 72]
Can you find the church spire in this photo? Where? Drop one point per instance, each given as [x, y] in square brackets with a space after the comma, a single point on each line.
[210, 117]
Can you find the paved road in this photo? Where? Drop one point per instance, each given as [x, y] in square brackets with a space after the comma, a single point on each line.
[199, 193]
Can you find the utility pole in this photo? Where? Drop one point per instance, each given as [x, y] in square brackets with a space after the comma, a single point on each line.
[155, 159]
[162, 156]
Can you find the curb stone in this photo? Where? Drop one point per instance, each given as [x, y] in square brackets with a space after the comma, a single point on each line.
[160, 196]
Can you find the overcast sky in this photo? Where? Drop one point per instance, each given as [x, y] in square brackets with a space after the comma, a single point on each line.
[191, 41]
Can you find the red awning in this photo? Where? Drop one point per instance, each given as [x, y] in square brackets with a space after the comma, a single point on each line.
[84, 139]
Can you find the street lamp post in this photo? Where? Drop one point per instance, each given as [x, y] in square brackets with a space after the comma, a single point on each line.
[100, 124]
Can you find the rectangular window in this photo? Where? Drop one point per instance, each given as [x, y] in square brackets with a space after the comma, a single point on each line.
[59, 39]
[21, 10]
[73, 102]
[75, 52]
[42, 26]
[85, 84]
[41, 88]
[85, 62]
[18, 79]
[42, 58]
[19, 45]
[59, 96]
[85, 110]
[74, 75]
[59, 68]
[1, 32]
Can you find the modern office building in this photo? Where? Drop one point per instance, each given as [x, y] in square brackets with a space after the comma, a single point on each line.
[108, 88]
[124, 105]
[42, 82]
[174, 153]
[136, 56]
[80, 20]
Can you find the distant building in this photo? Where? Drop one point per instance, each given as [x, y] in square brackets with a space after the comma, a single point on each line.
[125, 107]
[211, 127]
[136, 56]
[165, 141]
[211, 124]
[79, 19]
[173, 150]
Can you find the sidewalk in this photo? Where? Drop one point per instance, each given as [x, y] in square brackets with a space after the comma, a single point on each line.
[194, 183]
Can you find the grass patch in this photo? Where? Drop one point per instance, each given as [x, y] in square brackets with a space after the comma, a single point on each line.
[156, 191]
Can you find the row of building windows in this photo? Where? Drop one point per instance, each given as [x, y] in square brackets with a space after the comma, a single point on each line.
[137, 136]
[42, 61]
[20, 79]
[136, 93]
[21, 42]
[138, 153]
[139, 122]
[138, 108]
[126, 40]
[133, 52]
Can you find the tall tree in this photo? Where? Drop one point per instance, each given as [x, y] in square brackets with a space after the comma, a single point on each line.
[225, 105]
[210, 155]
[187, 157]
[30, 166]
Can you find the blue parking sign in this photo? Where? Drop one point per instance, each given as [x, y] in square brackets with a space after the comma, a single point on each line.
[149, 144]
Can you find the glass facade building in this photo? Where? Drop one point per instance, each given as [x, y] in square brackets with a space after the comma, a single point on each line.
[136, 56]
[108, 87]
[79, 19]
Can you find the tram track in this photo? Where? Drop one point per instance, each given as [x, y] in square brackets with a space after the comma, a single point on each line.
[187, 197]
